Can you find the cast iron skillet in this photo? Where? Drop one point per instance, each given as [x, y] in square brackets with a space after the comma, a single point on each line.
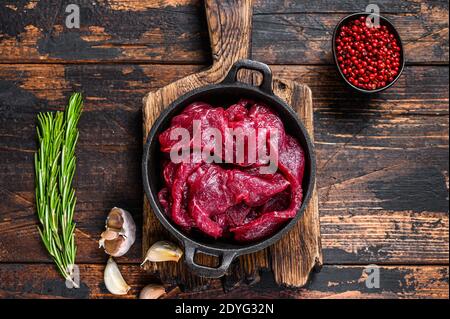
[224, 93]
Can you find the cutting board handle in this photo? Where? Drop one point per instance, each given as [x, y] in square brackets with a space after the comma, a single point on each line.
[229, 25]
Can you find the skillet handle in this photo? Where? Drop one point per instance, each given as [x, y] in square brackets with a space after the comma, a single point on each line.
[226, 258]
[266, 84]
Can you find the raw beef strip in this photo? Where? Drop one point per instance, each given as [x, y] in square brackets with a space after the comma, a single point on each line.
[165, 200]
[263, 226]
[238, 112]
[236, 214]
[264, 118]
[169, 171]
[183, 120]
[208, 117]
[255, 189]
[179, 194]
[209, 196]
[279, 202]
[291, 164]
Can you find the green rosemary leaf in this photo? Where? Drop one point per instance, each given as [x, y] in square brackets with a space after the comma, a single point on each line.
[54, 162]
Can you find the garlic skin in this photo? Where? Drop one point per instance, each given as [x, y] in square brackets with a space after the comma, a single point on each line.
[114, 281]
[152, 291]
[163, 251]
[120, 233]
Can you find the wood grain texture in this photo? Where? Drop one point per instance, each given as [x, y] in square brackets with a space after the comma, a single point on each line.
[303, 241]
[401, 133]
[174, 31]
[333, 282]
[229, 25]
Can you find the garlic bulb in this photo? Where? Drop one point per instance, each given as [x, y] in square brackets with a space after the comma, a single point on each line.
[152, 291]
[114, 281]
[120, 232]
[163, 251]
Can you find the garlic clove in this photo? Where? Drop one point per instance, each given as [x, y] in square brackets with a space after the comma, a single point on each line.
[115, 219]
[163, 251]
[110, 234]
[152, 291]
[120, 232]
[111, 246]
[114, 281]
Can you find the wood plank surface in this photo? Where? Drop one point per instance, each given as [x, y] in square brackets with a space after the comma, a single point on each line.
[382, 161]
[401, 135]
[175, 31]
[42, 281]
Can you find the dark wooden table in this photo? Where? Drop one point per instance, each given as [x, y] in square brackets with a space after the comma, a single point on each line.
[382, 161]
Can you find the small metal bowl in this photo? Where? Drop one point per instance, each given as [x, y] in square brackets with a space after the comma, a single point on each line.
[383, 21]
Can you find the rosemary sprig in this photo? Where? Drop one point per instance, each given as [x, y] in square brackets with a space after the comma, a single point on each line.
[55, 197]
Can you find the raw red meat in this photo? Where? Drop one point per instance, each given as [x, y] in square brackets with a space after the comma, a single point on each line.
[209, 196]
[238, 112]
[291, 164]
[259, 228]
[247, 115]
[253, 188]
[236, 214]
[183, 120]
[169, 173]
[179, 194]
[232, 199]
[278, 202]
[165, 199]
[208, 117]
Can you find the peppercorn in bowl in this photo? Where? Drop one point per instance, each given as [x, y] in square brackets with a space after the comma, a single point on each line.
[368, 52]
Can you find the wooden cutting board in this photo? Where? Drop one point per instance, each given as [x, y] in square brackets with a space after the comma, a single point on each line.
[299, 252]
